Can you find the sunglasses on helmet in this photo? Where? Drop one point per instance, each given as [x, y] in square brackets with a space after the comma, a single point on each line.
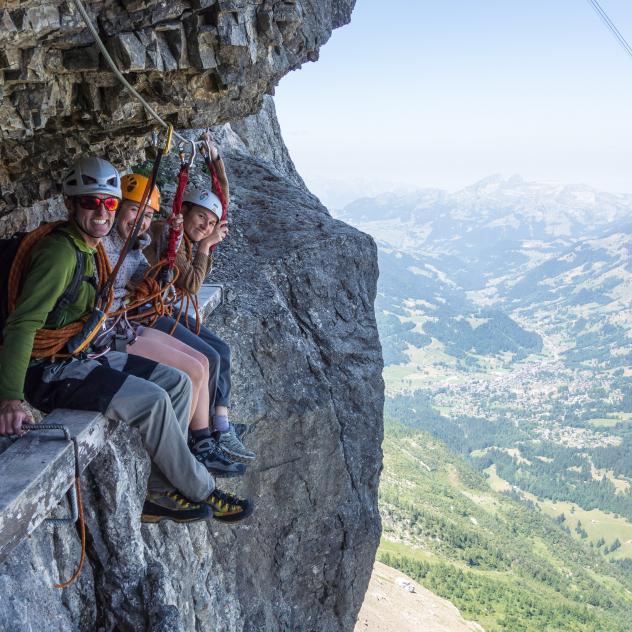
[92, 202]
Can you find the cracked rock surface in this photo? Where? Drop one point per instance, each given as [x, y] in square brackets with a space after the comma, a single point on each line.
[307, 377]
[197, 62]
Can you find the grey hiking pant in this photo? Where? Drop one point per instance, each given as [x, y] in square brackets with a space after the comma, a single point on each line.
[213, 347]
[149, 396]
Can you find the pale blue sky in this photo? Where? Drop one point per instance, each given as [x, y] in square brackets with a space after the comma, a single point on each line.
[441, 94]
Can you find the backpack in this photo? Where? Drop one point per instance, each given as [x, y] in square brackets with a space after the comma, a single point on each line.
[8, 250]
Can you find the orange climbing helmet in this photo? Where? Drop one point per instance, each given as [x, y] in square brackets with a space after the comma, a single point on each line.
[133, 186]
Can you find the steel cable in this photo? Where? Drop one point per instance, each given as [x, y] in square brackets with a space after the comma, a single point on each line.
[119, 75]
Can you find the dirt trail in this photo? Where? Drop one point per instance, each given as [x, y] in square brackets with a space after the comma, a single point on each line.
[389, 607]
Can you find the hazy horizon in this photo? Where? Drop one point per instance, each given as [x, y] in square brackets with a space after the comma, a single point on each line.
[339, 198]
[443, 96]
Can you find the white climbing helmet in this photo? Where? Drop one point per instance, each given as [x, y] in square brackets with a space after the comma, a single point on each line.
[92, 175]
[205, 198]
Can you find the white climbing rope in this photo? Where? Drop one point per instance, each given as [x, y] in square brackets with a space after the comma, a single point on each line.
[610, 25]
[121, 78]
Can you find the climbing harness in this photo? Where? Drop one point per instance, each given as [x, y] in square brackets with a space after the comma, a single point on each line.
[50, 342]
[76, 503]
[611, 26]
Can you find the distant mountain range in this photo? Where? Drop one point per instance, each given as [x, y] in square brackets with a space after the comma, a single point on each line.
[584, 295]
[488, 269]
[494, 228]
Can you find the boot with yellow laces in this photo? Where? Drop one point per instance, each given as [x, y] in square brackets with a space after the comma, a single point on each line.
[220, 505]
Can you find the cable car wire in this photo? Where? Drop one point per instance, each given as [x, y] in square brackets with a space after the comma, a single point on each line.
[611, 27]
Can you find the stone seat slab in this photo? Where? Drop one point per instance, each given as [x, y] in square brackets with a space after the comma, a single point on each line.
[210, 297]
[38, 469]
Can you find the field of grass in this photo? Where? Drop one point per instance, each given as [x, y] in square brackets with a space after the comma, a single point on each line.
[506, 565]
[597, 524]
[426, 366]
[610, 422]
[495, 482]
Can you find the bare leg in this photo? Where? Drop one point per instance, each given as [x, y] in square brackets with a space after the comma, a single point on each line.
[165, 349]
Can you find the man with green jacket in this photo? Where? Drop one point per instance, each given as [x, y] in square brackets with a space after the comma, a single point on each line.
[151, 397]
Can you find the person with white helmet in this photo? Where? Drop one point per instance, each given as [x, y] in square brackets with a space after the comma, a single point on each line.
[149, 396]
[147, 342]
[203, 228]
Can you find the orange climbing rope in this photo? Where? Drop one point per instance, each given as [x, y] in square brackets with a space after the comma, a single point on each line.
[27, 427]
[82, 534]
[50, 342]
[150, 290]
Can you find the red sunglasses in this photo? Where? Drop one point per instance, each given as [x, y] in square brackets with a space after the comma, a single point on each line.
[92, 202]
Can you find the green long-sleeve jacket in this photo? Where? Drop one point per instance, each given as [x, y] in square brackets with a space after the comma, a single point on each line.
[49, 270]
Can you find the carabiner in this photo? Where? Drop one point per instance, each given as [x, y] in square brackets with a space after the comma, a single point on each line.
[193, 153]
[182, 154]
[167, 147]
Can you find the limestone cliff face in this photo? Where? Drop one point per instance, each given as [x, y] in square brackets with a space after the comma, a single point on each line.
[307, 372]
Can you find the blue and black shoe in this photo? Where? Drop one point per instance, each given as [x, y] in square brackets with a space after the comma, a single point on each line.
[241, 430]
[233, 446]
[214, 459]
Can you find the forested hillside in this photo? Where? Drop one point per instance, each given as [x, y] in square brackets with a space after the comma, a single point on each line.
[504, 564]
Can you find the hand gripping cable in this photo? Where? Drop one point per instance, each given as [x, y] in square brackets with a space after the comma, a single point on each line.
[216, 186]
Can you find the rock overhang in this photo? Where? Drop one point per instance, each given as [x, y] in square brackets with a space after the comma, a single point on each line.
[197, 62]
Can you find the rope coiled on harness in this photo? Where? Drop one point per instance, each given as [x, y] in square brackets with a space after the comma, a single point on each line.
[150, 290]
[50, 342]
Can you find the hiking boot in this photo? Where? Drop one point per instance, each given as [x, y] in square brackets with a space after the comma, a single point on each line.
[173, 506]
[232, 445]
[227, 507]
[213, 458]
